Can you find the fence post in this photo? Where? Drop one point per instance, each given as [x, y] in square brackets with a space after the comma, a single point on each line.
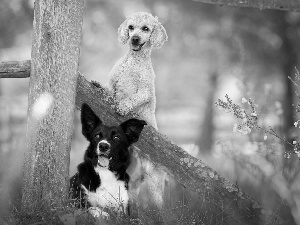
[56, 37]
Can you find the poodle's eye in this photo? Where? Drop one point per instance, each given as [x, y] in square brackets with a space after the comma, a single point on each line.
[145, 28]
[130, 27]
[116, 138]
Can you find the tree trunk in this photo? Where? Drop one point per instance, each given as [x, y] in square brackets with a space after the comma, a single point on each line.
[54, 65]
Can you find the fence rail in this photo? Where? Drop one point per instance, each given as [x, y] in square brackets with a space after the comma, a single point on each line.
[286, 5]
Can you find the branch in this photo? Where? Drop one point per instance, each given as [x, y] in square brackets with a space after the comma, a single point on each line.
[287, 5]
[223, 201]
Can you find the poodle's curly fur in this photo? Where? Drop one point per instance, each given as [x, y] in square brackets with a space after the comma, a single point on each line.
[131, 80]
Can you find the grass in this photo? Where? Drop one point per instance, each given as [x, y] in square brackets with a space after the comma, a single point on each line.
[184, 213]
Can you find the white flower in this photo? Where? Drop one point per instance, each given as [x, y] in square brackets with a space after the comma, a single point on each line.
[294, 142]
[296, 123]
[254, 114]
[287, 155]
[244, 100]
[248, 129]
[245, 130]
[265, 137]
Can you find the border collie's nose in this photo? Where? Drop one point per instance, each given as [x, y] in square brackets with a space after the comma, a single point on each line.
[103, 146]
[135, 40]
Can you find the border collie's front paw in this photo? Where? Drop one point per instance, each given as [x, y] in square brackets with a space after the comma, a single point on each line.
[136, 222]
[98, 212]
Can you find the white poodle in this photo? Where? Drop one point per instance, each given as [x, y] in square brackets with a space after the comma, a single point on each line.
[131, 80]
[131, 84]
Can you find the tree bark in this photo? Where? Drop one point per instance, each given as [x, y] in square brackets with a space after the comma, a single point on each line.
[54, 65]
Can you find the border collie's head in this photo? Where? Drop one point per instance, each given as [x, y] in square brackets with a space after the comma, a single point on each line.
[109, 144]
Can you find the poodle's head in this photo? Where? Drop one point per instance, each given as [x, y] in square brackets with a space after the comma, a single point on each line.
[143, 31]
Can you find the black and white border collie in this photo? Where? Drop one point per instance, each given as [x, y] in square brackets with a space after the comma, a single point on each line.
[101, 180]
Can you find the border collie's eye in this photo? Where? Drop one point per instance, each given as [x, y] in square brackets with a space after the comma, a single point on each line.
[116, 138]
[145, 28]
[130, 27]
[98, 136]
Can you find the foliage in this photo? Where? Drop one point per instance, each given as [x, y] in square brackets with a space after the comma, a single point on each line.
[249, 118]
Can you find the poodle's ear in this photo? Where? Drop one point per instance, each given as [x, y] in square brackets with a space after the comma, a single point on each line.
[158, 36]
[123, 34]
[89, 121]
[133, 128]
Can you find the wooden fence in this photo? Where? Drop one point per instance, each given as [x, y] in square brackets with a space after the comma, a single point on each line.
[220, 197]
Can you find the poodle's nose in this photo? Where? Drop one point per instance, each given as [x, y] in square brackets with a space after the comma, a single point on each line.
[103, 146]
[135, 40]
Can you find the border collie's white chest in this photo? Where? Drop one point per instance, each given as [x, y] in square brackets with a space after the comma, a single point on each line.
[112, 193]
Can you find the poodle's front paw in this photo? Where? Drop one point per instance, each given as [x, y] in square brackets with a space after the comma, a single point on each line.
[98, 212]
[123, 107]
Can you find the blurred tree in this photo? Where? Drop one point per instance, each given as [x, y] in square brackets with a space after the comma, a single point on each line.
[206, 139]
[16, 17]
[287, 31]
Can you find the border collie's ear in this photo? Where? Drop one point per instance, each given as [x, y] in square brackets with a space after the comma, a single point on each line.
[133, 128]
[89, 120]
